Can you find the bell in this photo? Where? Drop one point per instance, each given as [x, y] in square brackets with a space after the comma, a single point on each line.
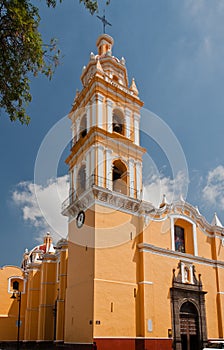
[117, 127]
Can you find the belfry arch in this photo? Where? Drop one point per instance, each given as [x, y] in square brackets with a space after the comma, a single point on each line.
[83, 126]
[118, 122]
[119, 177]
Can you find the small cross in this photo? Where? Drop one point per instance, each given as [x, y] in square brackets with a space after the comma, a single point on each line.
[104, 21]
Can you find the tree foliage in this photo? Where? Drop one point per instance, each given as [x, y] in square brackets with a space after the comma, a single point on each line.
[24, 54]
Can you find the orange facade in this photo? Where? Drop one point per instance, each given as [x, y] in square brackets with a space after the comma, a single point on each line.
[130, 275]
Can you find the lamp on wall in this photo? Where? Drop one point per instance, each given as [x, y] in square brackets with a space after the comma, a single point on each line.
[16, 295]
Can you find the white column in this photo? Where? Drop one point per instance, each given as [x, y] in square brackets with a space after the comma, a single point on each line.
[109, 169]
[77, 128]
[195, 240]
[100, 165]
[71, 183]
[109, 115]
[94, 111]
[93, 165]
[75, 177]
[136, 129]
[88, 169]
[172, 233]
[100, 99]
[131, 177]
[88, 117]
[73, 134]
[138, 179]
[127, 123]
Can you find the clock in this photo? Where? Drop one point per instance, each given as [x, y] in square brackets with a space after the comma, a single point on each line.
[80, 219]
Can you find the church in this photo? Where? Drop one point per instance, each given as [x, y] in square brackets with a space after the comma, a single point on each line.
[130, 276]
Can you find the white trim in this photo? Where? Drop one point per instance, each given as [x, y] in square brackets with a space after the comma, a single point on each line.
[94, 111]
[131, 177]
[111, 206]
[109, 104]
[127, 122]
[113, 281]
[100, 164]
[194, 230]
[136, 128]
[109, 169]
[71, 183]
[130, 147]
[16, 278]
[88, 117]
[138, 179]
[99, 99]
[87, 167]
[75, 176]
[195, 241]
[92, 160]
[172, 233]
[183, 217]
[78, 120]
[146, 282]
[50, 261]
[149, 248]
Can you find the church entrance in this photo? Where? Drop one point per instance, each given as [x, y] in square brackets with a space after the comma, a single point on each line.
[189, 327]
[188, 310]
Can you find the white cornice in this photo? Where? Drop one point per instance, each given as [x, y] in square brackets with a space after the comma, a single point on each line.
[150, 248]
[178, 209]
[130, 147]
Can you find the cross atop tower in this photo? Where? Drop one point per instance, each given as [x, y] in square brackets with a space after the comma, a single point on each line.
[104, 21]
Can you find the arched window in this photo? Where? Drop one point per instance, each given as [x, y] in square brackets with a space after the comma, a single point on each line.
[179, 239]
[119, 177]
[81, 183]
[83, 127]
[118, 122]
[15, 285]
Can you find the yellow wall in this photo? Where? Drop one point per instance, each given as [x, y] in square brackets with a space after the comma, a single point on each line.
[9, 307]
[33, 300]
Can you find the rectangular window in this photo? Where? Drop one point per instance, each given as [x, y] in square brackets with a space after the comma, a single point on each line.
[179, 239]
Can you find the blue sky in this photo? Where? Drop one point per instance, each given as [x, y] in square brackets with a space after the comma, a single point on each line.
[175, 51]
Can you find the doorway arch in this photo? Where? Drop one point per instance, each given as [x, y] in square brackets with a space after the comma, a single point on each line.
[189, 326]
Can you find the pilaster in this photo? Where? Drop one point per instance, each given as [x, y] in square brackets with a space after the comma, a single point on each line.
[127, 123]
[109, 169]
[136, 128]
[109, 104]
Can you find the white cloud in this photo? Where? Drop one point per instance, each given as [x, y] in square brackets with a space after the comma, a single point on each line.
[160, 185]
[201, 47]
[194, 7]
[213, 191]
[41, 205]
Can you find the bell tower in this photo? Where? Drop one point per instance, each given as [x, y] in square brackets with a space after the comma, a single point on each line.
[105, 167]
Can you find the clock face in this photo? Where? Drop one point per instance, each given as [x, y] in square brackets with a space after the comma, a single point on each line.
[80, 219]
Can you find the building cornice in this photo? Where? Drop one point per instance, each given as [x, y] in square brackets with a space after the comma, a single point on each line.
[150, 248]
[94, 135]
[100, 195]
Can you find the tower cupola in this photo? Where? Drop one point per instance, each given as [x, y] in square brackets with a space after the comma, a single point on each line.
[104, 44]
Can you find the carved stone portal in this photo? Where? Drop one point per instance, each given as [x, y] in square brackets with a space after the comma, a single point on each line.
[188, 309]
